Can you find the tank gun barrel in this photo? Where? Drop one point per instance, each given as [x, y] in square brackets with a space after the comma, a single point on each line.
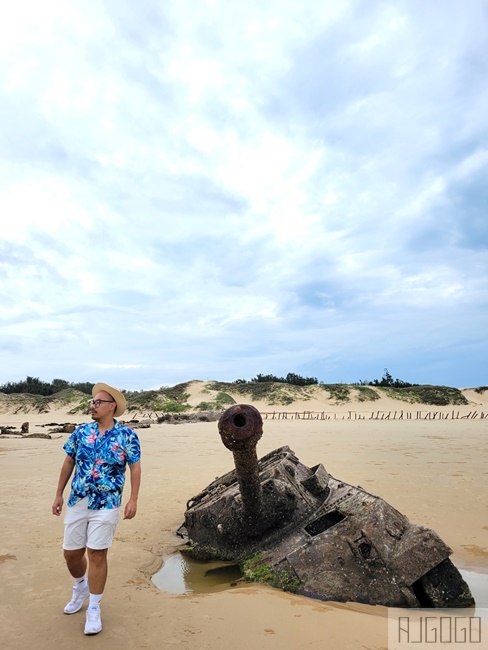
[240, 428]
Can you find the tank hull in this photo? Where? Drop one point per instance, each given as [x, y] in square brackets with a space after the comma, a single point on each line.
[323, 538]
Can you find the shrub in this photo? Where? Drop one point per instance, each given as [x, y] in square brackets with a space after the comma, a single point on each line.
[206, 406]
[173, 407]
[223, 398]
[366, 394]
[176, 393]
[291, 378]
[221, 401]
[340, 392]
[387, 380]
[435, 395]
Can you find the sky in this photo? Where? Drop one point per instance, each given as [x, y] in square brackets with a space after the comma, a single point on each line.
[215, 189]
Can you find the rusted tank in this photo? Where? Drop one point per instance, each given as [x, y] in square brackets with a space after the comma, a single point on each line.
[300, 529]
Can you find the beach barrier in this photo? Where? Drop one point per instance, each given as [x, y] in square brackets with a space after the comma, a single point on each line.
[373, 415]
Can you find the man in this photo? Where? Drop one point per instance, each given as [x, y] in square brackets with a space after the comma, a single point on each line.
[98, 452]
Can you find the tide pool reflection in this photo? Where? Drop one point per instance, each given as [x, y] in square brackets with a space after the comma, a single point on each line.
[182, 575]
[478, 584]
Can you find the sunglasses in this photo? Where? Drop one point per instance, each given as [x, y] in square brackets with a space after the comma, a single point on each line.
[96, 402]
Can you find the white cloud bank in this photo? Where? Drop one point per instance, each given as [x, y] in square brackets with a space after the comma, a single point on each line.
[217, 189]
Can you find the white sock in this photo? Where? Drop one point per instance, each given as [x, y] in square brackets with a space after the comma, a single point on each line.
[81, 582]
[95, 600]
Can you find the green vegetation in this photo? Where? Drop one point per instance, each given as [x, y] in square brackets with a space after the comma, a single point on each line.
[176, 393]
[207, 406]
[34, 386]
[413, 393]
[203, 552]
[154, 401]
[173, 407]
[291, 378]
[257, 570]
[342, 392]
[268, 389]
[257, 391]
[166, 400]
[223, 398]
[269, 392]
[82, 407]
[435, 395]
[387, 381]
[275, 391]
[339, 392]
[148, 399]
[71, 395]
[366, 394]
[41, 403]
[221, 402]
[281, 398]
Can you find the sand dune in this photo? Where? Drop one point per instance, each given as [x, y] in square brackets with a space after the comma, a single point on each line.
[286, 399]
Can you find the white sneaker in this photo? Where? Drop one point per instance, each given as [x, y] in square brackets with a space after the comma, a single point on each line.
[93, 624]
[80, 594]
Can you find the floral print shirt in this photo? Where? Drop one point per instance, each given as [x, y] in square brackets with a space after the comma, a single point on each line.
[100, 463]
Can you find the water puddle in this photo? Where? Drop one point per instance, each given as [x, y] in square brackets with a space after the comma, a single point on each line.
[183, 575]
[478, 584]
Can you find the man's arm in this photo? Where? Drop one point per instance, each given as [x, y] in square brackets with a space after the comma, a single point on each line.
[64, 476]
[135, 482]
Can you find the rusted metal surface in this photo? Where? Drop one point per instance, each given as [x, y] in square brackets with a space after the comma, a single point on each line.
[240, 428]
[310, 533]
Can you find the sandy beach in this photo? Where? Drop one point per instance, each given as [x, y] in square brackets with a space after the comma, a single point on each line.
[435, 472]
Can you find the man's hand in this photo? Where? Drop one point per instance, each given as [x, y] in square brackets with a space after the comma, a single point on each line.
[66, 471]
[130, 509]
[58, 506]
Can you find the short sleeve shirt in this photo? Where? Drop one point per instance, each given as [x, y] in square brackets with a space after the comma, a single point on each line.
[100, 463]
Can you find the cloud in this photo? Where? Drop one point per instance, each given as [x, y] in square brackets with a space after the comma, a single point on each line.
[222, 189]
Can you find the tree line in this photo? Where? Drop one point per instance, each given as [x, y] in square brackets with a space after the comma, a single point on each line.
[34, 386]
[298, 380]
[291, 378]
[387, 380]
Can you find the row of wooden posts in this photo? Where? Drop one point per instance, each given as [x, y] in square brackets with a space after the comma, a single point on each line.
[374, 415]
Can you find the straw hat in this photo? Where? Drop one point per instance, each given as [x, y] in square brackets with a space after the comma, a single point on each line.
[113, 392]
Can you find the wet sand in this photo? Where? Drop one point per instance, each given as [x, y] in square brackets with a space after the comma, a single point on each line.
[435, 472]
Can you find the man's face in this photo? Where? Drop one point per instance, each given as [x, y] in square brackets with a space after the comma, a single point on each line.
[102, 405]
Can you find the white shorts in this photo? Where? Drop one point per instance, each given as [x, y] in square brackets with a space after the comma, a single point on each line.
[94, 529]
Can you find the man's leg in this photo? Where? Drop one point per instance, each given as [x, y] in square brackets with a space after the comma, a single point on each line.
[101, 529]
[97, 570]
[76, 562]
[97, 577]
[74, 545]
